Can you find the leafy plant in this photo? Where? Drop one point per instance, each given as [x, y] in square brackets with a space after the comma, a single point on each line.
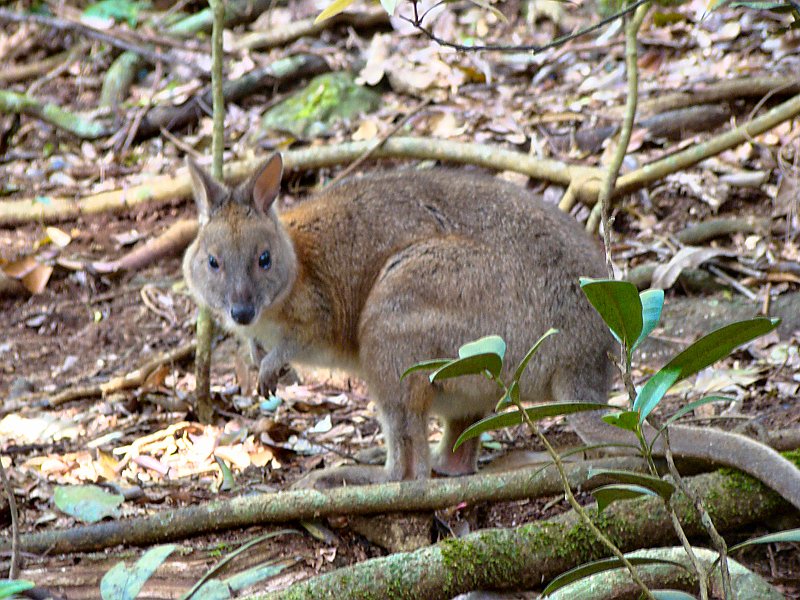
[631, 317]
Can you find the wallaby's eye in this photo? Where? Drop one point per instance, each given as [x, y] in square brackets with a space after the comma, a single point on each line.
[265, 260]
[213, 263]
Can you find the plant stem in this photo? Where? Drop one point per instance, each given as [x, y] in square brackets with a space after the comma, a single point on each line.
[574, 503]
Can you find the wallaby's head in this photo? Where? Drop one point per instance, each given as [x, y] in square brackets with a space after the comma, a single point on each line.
[242, 261]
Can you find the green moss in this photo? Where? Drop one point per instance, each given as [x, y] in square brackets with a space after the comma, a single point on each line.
[793, 456]
[326, 100]
[736, 481]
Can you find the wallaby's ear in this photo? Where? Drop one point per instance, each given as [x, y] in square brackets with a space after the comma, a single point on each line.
[266, 183]
[208, 194]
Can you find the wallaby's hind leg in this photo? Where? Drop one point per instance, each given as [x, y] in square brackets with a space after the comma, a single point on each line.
[461, 462]
[405, 322]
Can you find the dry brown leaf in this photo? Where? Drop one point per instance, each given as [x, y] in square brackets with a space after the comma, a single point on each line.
[19, 268]
[156, 379]
[368, 130]
[261, 458]
[236, 455]
[36, 281]
[689, 257]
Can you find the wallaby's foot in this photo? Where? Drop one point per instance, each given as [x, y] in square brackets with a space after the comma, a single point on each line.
[449, 466]
[325, 479]
[453, 464]
[461, 461]
[371, 456]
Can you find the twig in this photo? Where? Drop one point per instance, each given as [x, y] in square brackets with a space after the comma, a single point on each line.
[280, 72]
[205, 323]
[417, 19]
[720, 274]
[152, 56]
[656, 170]
[172, 187]
[134, 379]
[605, 540]
[705, 519]
[380, 142]
[279, 36]
[12, 102]
[14, 73]
[294, 505]
[13, 569]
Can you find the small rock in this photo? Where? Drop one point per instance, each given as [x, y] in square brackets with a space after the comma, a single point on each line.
[19, 387]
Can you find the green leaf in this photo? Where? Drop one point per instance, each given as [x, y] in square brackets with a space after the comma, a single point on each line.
[9, 587]
[600, 566]
[228, 481]
[122, 583]
[471, 365]
[118, 10]
[536, 413]
[652, 303]
[88, 503]
[663, 488]
[653, 391]
[692, 405]
[484, 354]
[426, 365]
[490, 344]
[671, 595]
[761, 5]
[619, 304]
[257, 574]
[701, 354]
[389, 6]
[790, 535]
[521, 368]
[334, 8]
[628, 420]
[213, 589]
[510, 397]
[608, 494]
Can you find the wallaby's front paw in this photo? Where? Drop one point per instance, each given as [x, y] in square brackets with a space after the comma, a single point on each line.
[268, 374]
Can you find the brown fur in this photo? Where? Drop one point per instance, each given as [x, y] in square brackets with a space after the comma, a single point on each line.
[377, 273]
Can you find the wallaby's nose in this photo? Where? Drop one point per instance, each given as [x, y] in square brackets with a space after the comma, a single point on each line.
[243, 313]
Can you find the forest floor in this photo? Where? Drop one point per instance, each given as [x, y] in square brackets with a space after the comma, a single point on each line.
[83, 328]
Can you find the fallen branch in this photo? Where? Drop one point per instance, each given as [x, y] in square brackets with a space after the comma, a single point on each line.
[14, 103]
[615, 584]
[117, 41]
[291, 505]
[659, 169]
[714, 228]
[524, 557]
[285, 34]
[14, 73]
[280, 72]
[125, 66]
[672, 124]
[169, 188]
[711, 93]
[172, 241]
[131, 380]
[174, 187]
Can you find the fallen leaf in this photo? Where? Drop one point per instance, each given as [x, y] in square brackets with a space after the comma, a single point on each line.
[58, 237]
[689, 257]
[36, 281]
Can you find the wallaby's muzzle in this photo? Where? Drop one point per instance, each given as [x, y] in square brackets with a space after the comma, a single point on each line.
[243, 314]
